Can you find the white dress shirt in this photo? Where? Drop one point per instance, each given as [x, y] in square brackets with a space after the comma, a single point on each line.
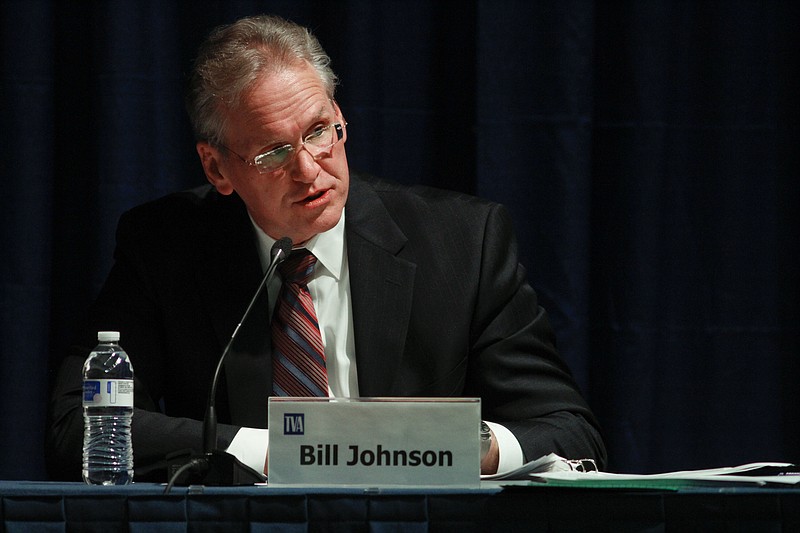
[330, 292]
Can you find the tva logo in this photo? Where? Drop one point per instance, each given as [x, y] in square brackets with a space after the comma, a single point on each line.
[294, 424]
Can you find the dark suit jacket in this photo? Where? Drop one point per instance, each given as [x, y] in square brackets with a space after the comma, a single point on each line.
[441, 308]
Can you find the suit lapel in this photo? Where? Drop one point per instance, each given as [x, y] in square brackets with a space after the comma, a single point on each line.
[381, 287]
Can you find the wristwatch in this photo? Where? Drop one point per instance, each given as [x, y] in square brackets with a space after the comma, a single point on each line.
[486, 439]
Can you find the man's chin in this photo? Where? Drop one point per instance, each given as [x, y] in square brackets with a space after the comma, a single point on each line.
[326, 221]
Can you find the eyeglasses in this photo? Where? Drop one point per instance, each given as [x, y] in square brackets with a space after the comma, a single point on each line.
[317, 143]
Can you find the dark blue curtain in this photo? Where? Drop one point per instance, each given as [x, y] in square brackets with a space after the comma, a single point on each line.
[647, 150]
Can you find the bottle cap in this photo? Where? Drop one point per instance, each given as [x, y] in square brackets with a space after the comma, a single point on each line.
[108, 336]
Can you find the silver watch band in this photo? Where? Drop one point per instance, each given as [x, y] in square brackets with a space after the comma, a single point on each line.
[486, 439]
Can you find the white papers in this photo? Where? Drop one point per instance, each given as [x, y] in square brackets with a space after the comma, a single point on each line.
[555, 470]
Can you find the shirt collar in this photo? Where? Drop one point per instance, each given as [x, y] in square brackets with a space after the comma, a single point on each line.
[328, 247]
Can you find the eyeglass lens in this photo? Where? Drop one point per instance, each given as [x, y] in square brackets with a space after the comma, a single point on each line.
[316, 143]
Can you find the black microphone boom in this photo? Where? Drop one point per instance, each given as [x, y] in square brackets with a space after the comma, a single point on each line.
[280, 251]
[217, 467]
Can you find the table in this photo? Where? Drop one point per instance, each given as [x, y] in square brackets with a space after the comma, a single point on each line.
[43, 506]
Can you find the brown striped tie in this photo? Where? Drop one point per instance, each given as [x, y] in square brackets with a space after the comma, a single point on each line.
[298, 356]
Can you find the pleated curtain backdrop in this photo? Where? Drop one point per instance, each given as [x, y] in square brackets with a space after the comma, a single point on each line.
[646, 149]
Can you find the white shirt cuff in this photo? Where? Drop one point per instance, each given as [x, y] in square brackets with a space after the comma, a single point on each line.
[250, 447]
[510, 450]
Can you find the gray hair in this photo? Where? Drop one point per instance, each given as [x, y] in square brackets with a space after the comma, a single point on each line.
[234, 56]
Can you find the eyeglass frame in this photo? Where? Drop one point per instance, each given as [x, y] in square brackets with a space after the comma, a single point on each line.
[339, 128]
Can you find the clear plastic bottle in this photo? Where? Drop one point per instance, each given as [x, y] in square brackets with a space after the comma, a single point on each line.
[107, 412]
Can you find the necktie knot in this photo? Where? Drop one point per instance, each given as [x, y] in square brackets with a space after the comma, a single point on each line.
[298, 267]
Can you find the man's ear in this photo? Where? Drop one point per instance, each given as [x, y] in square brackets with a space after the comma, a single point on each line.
[210, 158]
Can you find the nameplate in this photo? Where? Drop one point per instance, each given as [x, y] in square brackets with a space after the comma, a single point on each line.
[374, 442]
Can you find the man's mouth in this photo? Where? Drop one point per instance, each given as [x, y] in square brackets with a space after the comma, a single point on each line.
[315, 199]
[313, 196]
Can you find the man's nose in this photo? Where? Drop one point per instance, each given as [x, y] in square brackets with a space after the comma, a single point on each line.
[306, 168]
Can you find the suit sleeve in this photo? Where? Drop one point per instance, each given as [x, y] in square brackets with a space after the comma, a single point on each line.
[515, 367]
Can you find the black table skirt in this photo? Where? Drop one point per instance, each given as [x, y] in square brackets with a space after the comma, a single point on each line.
[39, 506]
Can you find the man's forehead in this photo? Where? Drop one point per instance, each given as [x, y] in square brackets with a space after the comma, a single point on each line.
[277, 107]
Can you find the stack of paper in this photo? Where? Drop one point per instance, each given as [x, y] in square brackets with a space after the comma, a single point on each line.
[555, 470]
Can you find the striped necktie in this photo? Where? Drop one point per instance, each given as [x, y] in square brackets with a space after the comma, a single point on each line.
[298, 356]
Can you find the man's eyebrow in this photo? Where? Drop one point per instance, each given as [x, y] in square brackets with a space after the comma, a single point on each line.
[323, 110]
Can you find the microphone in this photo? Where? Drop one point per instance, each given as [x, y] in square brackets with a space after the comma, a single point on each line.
[217, 467]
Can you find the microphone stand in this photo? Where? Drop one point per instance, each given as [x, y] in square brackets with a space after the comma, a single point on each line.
[217, 467]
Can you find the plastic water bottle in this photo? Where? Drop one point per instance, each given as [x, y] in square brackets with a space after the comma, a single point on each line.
[107, 412]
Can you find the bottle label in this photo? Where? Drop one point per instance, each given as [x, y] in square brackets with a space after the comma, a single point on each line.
[108, 393]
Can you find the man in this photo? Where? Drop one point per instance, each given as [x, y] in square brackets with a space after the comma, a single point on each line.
[418, 292]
